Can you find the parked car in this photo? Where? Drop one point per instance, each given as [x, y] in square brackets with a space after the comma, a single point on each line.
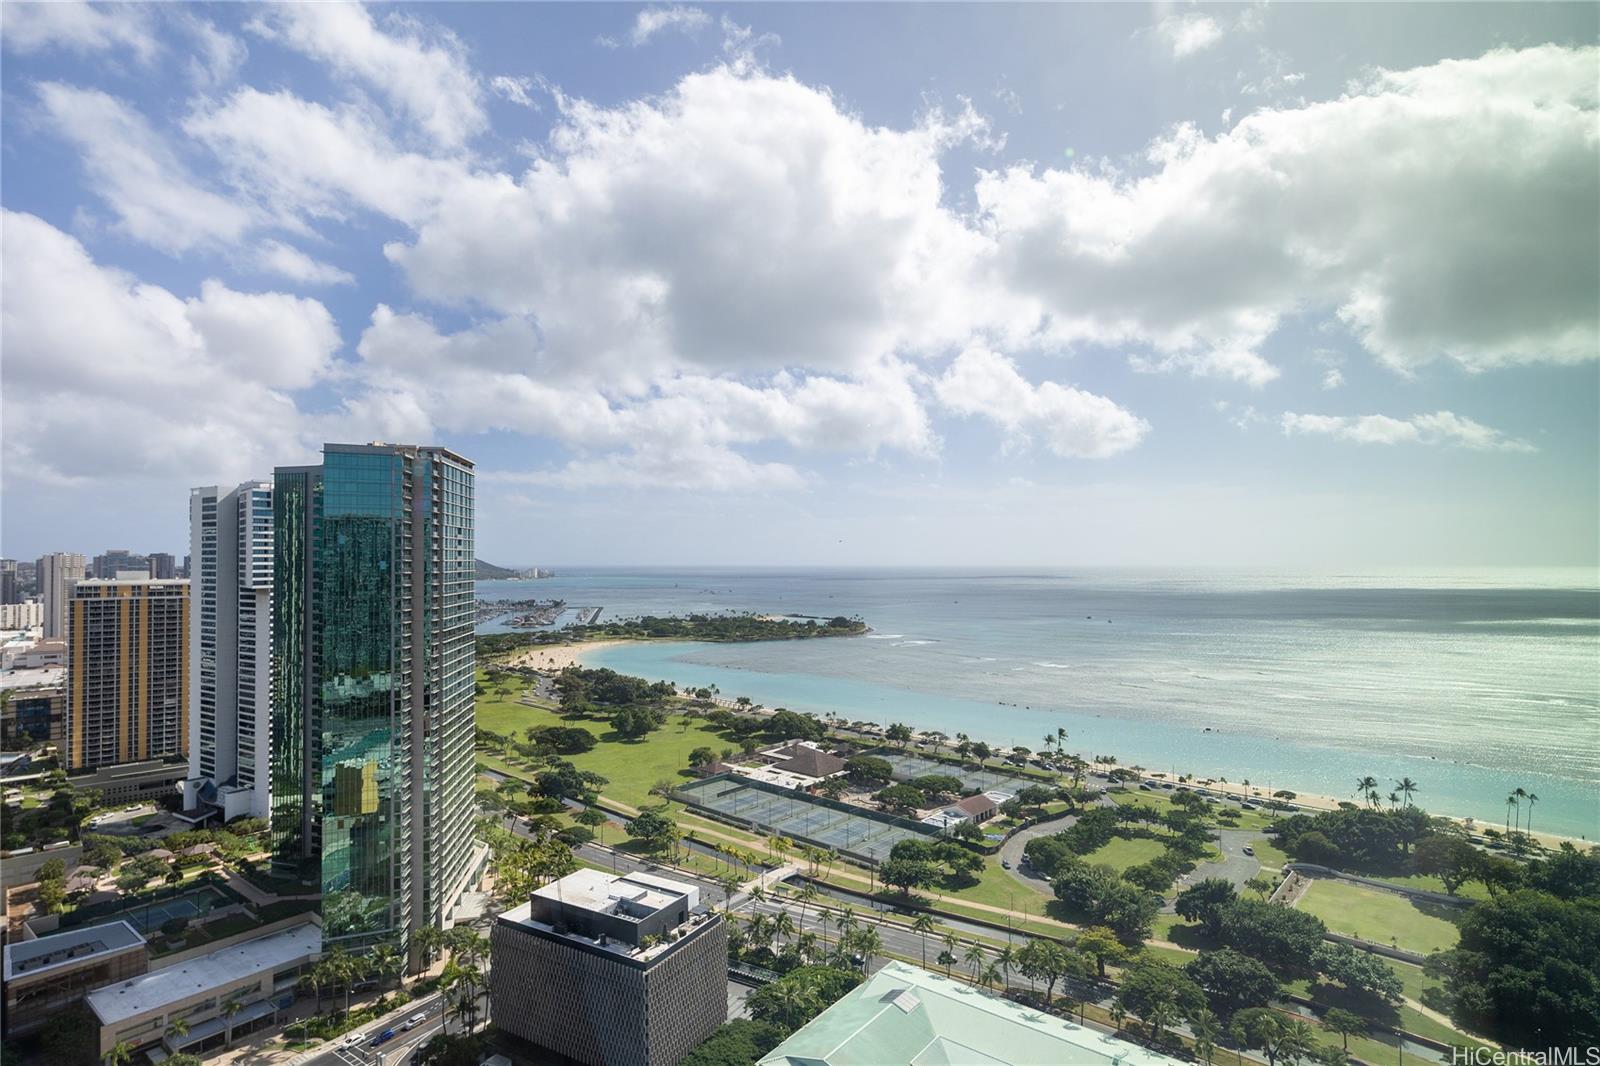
[1248, 850]
[1005, 864]
[383, 1038]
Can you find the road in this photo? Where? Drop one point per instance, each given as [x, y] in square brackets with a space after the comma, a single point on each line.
[396, 1050]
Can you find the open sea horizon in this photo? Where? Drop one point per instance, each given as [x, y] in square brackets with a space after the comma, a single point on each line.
[1473, 682]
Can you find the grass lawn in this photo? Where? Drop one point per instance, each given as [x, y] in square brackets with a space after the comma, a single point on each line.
[1123, 852]
[998, 888]
[631, 766]
[1271, 857]
[1379, 916]
[1430, 883]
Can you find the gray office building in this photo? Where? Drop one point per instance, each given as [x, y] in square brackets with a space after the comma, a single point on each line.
[163, 566]
[373, 673]
[230, 632]
[10, 586]
[56, 574]
[610, 970]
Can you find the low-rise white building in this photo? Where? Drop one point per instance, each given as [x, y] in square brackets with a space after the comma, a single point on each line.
[259, 975]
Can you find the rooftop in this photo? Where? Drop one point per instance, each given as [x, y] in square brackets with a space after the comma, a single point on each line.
[904, 1014]
[153, 991]
[632, 895]
[25, 958]
[805, 759]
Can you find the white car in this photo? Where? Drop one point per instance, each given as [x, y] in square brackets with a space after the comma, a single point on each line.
[353, 1039]
[414, 1021]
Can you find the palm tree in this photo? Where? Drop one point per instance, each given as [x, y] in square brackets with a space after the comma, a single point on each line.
[386, 962]
[923, 924]
[1511, 801]
[1520, 794]
[177, 1028]
[757, 894]
[120, 1055]
[230, 1007]
[807, 894]
[990, 974]
[429, 939]
[1394, 800]
[1007, 959]
[867, 944]
[1366, 788]
[1407, 788]
[1205, 1029]
[805, 945]
[1532, 799]
[974, 957]
[782, 926]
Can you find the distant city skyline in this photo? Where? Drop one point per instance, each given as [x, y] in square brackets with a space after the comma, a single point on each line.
[1037, 285]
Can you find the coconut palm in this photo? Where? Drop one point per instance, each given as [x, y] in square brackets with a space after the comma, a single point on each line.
[923, 924]
[1511, 801]
[230, 1007]
[1407, 788]
[386, 962]
[808, 894]
[1520, 794]
[120, 1055]
[1006, 959]
[990, 974]
[1367, 788]
[1532, 799]
[782, 926]
[1205, 1029]
[177, 1028]
[974, 957]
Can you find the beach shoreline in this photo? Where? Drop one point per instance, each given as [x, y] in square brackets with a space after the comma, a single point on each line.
[557, 657]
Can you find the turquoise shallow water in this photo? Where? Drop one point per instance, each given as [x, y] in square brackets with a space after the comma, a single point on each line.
[1472, 683]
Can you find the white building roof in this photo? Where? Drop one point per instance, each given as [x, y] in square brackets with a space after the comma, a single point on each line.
[28, 958]
[220, 969]
[598, 891]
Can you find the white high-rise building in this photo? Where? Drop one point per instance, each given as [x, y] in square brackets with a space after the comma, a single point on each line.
[230, 541]
[57, 573]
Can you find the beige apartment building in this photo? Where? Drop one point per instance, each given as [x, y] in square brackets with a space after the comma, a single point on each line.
[128, 672]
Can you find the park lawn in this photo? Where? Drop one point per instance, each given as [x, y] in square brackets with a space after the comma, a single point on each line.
[1123, 852]
[997, 888]
[1270, 855]
[1430, 883]
[631, 766]
[1379, 916]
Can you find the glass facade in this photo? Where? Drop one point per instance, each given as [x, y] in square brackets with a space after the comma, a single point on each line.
[297, 493]
[386, 654]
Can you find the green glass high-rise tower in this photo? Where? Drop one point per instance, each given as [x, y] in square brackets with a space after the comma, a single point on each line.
[373, 674]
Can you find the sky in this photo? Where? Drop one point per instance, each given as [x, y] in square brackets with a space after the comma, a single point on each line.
[891, 284]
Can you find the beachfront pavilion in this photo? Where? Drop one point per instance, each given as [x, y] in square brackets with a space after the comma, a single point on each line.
[906, 1014]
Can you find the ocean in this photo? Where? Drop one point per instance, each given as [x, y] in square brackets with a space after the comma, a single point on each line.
[1472, 683]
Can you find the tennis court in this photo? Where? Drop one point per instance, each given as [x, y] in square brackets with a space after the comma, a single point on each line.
[800, 817]
[907, 765]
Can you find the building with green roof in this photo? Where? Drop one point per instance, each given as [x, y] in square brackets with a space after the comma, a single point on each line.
[903, 1014]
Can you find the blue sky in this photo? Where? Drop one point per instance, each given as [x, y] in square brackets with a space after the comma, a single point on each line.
[1306, 285]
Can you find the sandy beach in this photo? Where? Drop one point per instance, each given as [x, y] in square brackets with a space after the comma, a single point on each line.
[556, 657]
[560, 656]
